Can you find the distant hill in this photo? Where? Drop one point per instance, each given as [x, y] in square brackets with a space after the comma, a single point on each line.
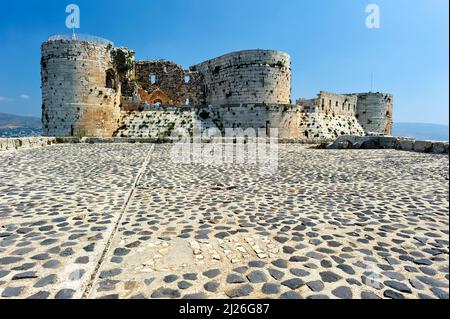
[422, 131]
[10, 121]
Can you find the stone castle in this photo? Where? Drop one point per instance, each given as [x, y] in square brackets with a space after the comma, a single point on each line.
[91, 88]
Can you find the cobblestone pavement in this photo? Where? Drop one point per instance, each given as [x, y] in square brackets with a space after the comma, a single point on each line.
[123, 221]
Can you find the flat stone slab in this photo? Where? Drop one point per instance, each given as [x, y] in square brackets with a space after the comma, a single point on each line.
[327, 224]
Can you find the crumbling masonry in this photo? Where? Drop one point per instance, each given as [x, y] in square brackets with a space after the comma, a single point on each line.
[91, 88]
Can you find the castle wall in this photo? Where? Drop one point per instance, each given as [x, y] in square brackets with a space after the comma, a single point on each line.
[337, 104]
[75, 98]
[168, 83]
[291, 121]
[86, 93]
[9, 144]
[331, 104]
[253, 76]
[374, 112]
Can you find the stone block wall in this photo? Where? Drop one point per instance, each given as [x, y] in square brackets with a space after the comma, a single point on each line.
[331, 104]
[86, 92]
[291, 121]
[337, 104]
[253, 76]
[374, 112]
[11, 144]
[389, 142]
[318, 127]
[80, 89]
[155, 123]
[167, 83]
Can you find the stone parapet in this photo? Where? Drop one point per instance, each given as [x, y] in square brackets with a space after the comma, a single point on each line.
[10, 144]
[389, 142]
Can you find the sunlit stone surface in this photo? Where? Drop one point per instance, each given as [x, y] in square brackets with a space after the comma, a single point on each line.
[124, 221]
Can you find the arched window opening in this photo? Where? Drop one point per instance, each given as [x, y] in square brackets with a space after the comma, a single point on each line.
[111, 80]
[152, 79]
[187, 79]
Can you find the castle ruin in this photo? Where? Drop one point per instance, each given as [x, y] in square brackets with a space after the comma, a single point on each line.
[91, 88]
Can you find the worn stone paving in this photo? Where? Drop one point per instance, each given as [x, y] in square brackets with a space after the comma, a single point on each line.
[124, 221]
[58, 206]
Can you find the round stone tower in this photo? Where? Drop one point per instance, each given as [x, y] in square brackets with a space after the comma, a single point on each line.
[374, 112]
[80, 87]
[245, 77]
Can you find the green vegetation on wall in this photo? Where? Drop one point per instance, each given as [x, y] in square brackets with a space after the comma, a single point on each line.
[123, 60]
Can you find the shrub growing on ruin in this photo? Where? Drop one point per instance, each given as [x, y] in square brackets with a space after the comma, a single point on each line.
[123, 60]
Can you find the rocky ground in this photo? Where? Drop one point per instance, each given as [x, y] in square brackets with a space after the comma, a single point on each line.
[124, 221]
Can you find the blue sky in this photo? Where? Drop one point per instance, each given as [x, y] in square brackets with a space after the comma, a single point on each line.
[330, 46]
